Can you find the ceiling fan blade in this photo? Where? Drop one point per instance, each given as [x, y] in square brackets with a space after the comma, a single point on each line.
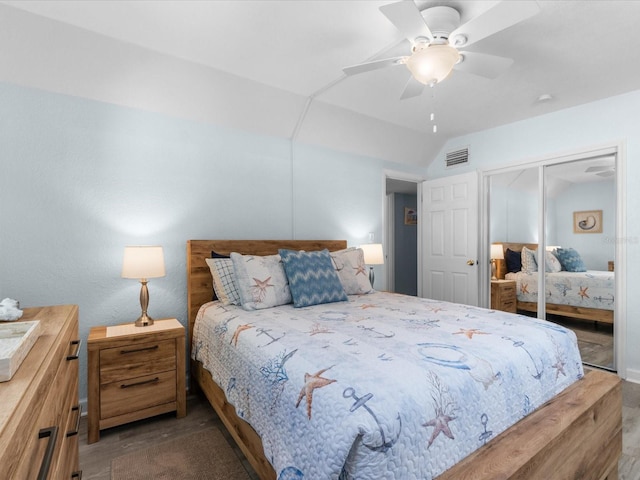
[601, 168]
[501, 16]
[375, 65]
[483, 64]
[413, 88]
[608, 173]
[408, 19]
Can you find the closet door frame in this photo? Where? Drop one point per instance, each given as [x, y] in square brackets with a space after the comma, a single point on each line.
[619, 150]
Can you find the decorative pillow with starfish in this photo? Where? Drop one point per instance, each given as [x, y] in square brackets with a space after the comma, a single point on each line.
[261, 281]
[349, 263]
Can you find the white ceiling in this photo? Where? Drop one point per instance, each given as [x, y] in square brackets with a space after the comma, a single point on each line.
[577, 51]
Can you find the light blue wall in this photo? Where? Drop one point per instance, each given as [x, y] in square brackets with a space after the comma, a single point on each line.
[81, 179]
[616, 119]
[596, 249]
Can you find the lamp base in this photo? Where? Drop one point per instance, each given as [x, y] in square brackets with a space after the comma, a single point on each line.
[144, 320]
[372, 277]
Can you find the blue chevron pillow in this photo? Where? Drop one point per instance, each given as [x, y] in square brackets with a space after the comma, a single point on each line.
[312, 278]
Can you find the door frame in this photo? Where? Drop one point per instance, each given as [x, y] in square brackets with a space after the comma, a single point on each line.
[387, 224]
[620, 309]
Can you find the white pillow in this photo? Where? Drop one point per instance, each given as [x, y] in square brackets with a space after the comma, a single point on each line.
[529, 264]
[552, 264]
[261, 281]
[224, 280]
[349, 263]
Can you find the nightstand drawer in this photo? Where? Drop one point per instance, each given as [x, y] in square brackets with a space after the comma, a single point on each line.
[118, 398]
[136, 360]
[508, 290]
[509, 306]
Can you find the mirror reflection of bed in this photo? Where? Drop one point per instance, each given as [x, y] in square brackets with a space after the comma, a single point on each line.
[582, 301]
[562, 193]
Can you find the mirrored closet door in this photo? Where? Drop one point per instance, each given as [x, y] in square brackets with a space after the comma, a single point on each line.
[580, 225]
[576, 232]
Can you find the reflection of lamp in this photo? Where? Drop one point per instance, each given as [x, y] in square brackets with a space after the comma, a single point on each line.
[373, 255]
[432, 63]
[143, 262]
[496, 254]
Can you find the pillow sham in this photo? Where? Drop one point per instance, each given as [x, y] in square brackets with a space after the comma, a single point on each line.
[551, 262]
[312, 278]
[261, 281]
[529, 264]
[352, 272]
[570, 260]
[514, 261]
[224, 280]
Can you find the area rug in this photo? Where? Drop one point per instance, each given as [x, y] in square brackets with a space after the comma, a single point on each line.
[198, 456]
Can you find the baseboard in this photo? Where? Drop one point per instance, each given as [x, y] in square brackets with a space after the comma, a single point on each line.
[633, 375]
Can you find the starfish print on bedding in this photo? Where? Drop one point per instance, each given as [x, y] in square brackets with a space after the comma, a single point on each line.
[583, 292]
[440, 424]
[311, 382]
[239, 330]
[444, 406]
[360, 269]
[470, 332]
[260, 288]
[364, 306]
[524, 288]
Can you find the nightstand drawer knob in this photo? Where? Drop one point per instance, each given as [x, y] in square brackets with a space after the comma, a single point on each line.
[124, 352]
[145, 382]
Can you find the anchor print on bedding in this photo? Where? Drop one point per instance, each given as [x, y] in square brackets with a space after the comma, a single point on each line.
[383, 386]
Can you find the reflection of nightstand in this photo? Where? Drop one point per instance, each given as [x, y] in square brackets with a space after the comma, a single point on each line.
[503, 295]
[135, 373]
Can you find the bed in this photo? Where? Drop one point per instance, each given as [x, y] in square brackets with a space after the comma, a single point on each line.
[582, 295]
[577, 433]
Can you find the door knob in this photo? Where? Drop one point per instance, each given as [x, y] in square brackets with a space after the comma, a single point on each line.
[470, 262]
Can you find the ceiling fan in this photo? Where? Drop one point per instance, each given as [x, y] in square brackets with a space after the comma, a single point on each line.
[602, 171]
[436, 36]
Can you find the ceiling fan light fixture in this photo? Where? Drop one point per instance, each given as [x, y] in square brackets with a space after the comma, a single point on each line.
[432, 63]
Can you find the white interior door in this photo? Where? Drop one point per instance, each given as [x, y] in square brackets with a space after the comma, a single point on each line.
[450, 209]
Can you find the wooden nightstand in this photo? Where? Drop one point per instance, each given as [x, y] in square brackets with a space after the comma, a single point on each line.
[503, 295]
[134, 373]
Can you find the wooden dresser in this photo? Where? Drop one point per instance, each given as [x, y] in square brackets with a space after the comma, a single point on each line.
[39, 410]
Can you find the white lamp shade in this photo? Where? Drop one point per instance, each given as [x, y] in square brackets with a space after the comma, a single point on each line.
[433, 63]
[373, 254]
[143, 261]
[497, 253]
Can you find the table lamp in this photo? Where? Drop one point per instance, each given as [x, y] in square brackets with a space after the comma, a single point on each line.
[497, 253]
[143, 262]
[373, 255]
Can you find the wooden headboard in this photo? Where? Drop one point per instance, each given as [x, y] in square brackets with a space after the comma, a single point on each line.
[199, 282]
[501, 265]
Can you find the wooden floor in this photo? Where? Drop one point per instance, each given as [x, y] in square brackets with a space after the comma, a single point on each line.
[95, 459]
[595, 341]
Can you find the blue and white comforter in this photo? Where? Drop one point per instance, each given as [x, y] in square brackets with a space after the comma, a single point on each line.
[591, 289]
[383, 386]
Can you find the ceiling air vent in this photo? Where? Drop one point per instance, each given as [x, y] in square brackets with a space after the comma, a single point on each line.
[457, 157]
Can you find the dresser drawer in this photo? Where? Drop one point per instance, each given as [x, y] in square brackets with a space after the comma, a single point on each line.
[133, 394]
[48, 433]
[136, 360]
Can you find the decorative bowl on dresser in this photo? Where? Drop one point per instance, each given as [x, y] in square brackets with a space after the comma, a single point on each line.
[135, 373]
[40, 412]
